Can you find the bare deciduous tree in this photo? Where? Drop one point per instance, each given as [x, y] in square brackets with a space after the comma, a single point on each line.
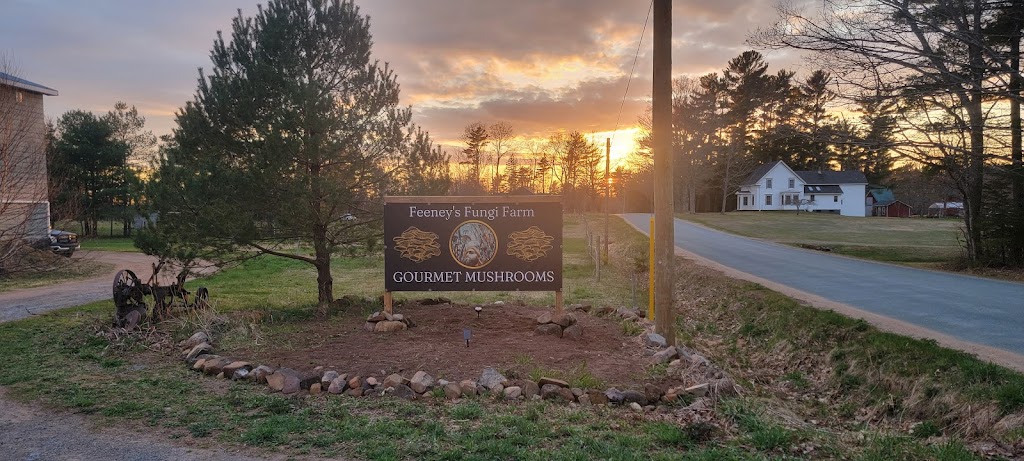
[24, 210]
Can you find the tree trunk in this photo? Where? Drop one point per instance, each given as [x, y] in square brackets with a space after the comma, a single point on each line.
[324, 281]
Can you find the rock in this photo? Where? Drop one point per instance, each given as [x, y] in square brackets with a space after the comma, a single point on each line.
[497, 389]
[544, 318]
[215, 366]
[604, 310]
[397, 318]
[338, 385]
[529, 388]
[469, 388]
[573, 332]
[513, 392]
[596, 397]
[580, 307]
[220, 375]
[634, 397]
[232, 367]
[285, 380]
[240, 374]
[369, 326]
[197, 338]
[564, 319]
[326, 379]
[372, 381]
[452, 391]
[699, 390]
[671, 395]
[421, 382]
[314, 389]
[442, 382]
[491, 378]
[614, 395]
[198, 366]
[558, 382]
[635, 407]
[355, 392]
[375, 317]
[653, 392]
[307, 380]
[355, 382]
[389, 326]
[655, 340]
[394, 379]
[260, 374]
[576, 392]
[584, 400]
[204, 348]
[402, 391]
[548, 329]
[626, 313]
[556, 392]
[665, 355]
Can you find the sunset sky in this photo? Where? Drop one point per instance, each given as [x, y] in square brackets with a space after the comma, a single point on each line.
[540, 65]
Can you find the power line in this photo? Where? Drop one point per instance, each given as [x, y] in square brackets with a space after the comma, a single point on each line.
[632, 69]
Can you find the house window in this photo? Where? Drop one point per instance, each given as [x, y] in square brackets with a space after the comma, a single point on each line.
[768, 198]
[812, 198]
[744, 201]
[792, 183]
[768, 184]
[835, 198]
[20, 96]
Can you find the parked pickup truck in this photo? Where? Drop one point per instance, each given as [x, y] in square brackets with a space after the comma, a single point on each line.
[63, 242]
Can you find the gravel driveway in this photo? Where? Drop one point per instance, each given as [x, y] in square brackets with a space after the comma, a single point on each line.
[31, 433]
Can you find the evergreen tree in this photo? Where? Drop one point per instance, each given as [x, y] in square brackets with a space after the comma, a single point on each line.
[291, 138]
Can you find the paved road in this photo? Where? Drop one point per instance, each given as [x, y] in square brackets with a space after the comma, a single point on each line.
[971, 309]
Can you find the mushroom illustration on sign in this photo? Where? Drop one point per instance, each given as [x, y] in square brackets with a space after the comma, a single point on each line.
[473, 244]
[417, 245]
[530, 244]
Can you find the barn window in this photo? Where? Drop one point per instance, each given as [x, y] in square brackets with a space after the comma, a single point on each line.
[20, 96]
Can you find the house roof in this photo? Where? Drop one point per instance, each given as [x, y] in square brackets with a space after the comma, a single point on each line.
[882, 195]
[885, 204]
[832, 177]
[823, 189]
[10, 80]
[810, 177]
[947, 205]
[762, 170]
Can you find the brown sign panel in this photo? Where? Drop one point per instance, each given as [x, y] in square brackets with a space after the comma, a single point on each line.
[473, 243]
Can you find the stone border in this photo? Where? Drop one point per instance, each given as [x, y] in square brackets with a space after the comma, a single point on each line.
[709, 382]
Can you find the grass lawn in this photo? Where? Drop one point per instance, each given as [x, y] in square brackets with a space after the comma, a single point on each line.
[907, 240]
[124, 244]
[816, 385]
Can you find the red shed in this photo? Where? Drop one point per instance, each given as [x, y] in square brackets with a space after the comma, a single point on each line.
[893, 209]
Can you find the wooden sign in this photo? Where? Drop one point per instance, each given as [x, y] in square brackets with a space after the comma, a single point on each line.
[473, 243]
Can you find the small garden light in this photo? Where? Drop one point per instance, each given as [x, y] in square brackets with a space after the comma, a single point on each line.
[478, 310]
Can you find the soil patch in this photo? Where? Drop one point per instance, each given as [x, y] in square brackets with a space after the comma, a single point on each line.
[502, 337]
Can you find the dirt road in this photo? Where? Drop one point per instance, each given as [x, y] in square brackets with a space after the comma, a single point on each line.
[19, 304]
[31, 433]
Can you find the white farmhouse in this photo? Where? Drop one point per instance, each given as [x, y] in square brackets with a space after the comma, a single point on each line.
[775, 186]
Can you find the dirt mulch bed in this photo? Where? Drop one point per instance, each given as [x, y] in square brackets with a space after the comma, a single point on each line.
[502, 337]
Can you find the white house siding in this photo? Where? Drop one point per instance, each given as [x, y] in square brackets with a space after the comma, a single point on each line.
[779, 176]
[852, 201]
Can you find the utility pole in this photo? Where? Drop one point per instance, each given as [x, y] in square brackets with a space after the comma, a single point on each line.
[607, 192]
[664, 224]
